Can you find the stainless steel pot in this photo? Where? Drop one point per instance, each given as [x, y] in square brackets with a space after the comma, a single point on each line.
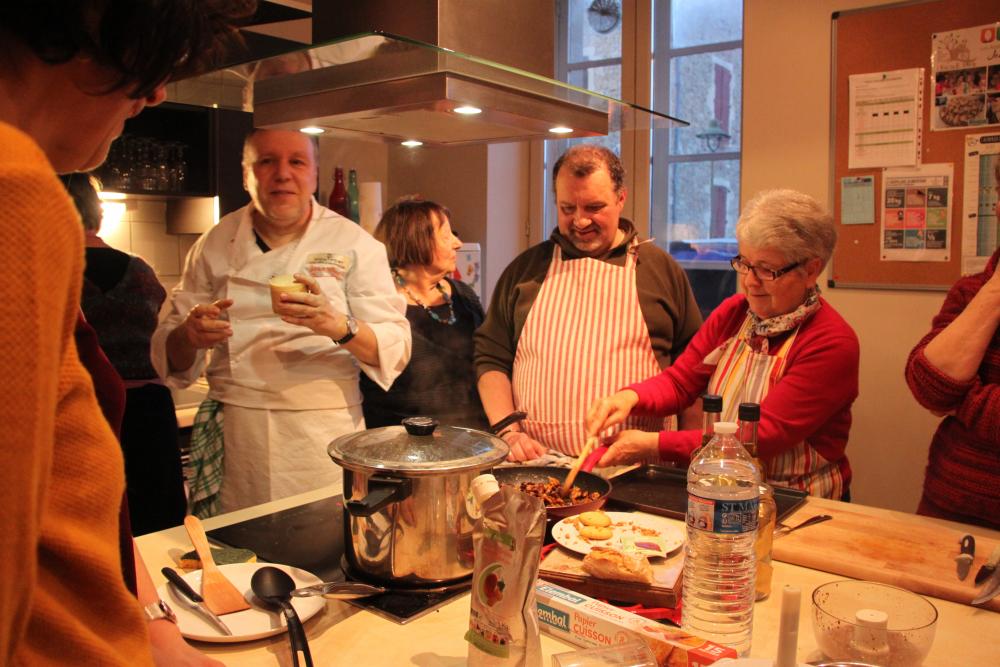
[406, 520]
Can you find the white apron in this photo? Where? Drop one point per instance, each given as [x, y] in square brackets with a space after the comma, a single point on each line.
[745, 376]
[584, 338]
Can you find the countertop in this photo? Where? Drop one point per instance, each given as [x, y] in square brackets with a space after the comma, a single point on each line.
[345, 635]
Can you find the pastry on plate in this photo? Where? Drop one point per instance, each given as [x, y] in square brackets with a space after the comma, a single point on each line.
[596, 532]
[605, 563]
[595, 518]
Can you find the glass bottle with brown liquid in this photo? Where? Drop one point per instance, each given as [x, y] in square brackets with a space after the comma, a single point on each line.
[749, 415]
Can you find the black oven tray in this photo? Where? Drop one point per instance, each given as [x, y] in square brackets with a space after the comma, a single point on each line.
[661, 490]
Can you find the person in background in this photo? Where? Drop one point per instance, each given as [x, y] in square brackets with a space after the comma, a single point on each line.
[285, 383]
[577, 316]
[121, 301]
[439, 381]
[954, 371]
[779, 344]
[70, 74]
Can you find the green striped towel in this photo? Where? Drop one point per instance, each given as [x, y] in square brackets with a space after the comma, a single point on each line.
[203, 471]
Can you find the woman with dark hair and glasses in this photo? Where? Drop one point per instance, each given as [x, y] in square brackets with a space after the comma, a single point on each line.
[71, 73]
[779, 344]
[440, 380]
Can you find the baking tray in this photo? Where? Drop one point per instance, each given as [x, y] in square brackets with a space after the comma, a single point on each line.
[661, 490]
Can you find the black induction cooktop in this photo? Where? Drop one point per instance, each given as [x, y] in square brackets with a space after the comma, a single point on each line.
[311, 537]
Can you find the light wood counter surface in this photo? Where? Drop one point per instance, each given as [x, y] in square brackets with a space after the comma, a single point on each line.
[345, 635]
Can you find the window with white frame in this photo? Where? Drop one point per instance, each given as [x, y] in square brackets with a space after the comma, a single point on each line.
[695, 74]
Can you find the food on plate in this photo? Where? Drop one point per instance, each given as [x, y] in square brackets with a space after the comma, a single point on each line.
[551, 493]
[221, 556]
[605, 563]
[595, 518]
[960, 110]
[596, 532]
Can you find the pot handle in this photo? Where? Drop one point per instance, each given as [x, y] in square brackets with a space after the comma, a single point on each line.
[382, 491]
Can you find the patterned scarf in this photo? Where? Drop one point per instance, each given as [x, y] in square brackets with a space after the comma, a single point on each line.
[760, 330]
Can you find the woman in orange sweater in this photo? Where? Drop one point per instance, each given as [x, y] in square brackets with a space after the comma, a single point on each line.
[70, 74]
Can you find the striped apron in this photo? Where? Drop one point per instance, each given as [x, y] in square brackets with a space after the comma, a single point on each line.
[584, 338]
[743, 375]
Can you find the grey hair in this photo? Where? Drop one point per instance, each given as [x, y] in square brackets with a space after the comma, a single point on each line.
[790, 222]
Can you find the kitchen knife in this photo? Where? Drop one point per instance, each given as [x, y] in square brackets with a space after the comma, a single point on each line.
[963, 560]
[184, 589]
[989, 567]
[989, 590]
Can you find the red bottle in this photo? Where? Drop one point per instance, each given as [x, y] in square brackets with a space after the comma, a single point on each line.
[338, 196]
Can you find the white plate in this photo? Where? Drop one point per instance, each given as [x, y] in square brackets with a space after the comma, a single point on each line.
[626, 527]
[254, 623]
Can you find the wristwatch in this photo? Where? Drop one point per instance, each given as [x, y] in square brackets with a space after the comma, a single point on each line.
[159, 609]
[352, 330]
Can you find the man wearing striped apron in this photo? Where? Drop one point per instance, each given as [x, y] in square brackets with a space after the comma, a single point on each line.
[580, 315]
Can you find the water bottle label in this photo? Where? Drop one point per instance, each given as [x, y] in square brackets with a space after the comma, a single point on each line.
[725, 517]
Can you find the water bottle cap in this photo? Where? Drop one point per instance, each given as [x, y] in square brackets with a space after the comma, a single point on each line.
[725, 428]
[749, 412]
[711, 403]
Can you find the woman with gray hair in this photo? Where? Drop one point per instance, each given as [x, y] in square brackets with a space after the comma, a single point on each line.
[779, 344]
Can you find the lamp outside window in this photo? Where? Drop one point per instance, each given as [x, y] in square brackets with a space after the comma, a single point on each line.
[713, 136]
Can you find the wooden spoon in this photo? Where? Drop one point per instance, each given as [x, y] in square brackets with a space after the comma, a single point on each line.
[575, 470]
[219, 593]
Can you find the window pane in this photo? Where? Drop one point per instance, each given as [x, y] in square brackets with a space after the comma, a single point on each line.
[583, 41]
[694, 207]
[703, 87]
[604, 80]
[698, 22]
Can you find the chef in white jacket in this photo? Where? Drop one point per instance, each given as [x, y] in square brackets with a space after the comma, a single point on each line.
[288, 383]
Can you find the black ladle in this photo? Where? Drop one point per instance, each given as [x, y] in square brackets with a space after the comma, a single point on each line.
[274, 588]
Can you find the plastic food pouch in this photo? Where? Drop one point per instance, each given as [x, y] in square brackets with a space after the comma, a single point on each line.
[507, 538]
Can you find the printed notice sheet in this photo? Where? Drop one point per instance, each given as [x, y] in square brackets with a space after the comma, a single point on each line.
[916, 209]
[980, 226]
[857, 200]
[885, 118]
[965, 67]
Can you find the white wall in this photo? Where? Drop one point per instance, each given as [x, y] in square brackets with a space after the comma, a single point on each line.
[786, 143]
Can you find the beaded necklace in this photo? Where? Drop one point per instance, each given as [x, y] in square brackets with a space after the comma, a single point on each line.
[434, 316]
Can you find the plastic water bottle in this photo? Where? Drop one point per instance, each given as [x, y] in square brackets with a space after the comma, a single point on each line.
[719, 561]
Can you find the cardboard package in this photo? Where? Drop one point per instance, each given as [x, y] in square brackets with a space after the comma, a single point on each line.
[586, 622]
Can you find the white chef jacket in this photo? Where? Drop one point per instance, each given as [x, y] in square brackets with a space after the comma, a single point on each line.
[268, 363]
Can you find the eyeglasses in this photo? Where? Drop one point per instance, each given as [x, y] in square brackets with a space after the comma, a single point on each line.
[742, 266]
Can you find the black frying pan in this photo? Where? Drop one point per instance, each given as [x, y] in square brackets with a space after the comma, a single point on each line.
[587, 481]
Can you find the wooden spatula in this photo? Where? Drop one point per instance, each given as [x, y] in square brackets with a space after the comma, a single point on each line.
[575, 470]
[219, 593]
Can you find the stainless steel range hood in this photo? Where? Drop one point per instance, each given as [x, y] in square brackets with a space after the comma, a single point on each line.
[393, 88]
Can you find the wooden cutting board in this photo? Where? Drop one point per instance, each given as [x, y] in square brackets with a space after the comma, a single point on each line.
[565, 568]
[889, 547]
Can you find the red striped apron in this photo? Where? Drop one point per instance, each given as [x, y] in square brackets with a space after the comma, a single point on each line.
[743, 375]
[584, 338]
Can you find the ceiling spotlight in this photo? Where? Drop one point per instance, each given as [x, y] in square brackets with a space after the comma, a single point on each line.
[561, 129]
[412, 143]
[467, 110]
[312, 129]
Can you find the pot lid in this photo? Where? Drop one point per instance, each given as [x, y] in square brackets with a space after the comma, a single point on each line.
[418, 446]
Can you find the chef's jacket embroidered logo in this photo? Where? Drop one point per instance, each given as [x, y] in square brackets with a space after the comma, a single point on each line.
[327, 264]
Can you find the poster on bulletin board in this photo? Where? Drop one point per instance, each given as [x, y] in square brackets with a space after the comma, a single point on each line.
[966, 67]
[981, 224]
[916, 208]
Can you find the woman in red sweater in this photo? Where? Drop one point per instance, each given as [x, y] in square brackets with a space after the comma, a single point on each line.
[779, 344]
[954, 372]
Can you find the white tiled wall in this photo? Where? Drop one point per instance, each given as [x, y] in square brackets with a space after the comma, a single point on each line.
[142, 231]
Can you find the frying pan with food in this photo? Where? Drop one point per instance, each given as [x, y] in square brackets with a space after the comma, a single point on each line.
[586, 480]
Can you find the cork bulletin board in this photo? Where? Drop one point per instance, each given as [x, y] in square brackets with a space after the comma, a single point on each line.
[883, 39]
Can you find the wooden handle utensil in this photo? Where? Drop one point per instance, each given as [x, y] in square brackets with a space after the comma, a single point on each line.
[219, 593]
[575, 470]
